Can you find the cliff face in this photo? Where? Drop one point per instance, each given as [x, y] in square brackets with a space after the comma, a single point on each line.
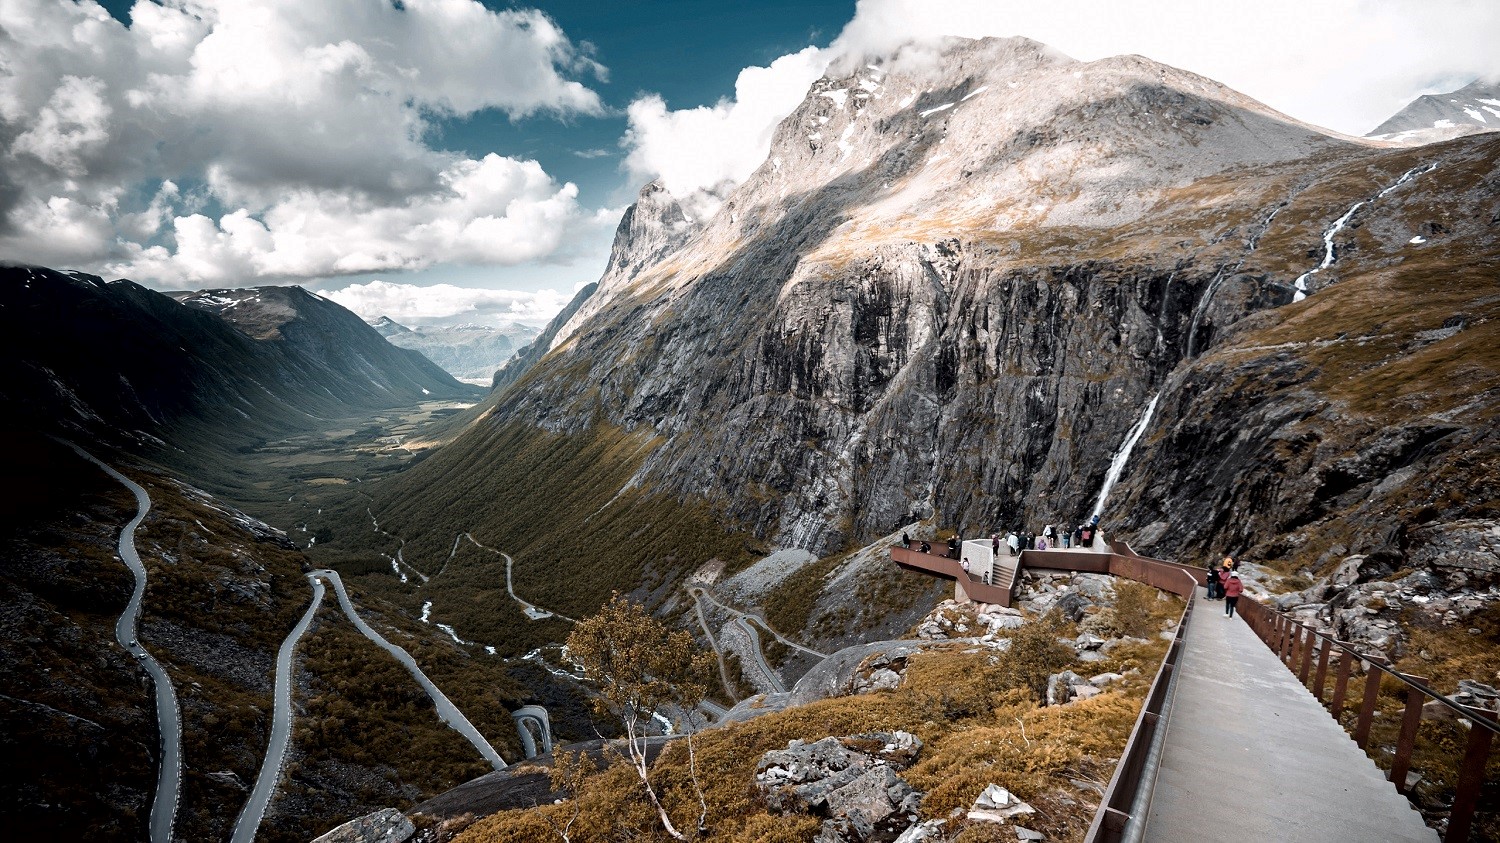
[951, 292]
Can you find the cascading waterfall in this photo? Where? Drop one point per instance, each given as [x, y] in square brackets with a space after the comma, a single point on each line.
[1122, 456]
[1329, 254]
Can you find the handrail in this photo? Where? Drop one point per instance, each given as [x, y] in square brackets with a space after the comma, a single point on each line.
[1295, 644]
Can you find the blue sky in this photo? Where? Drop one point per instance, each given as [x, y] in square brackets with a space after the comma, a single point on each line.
[443, 159]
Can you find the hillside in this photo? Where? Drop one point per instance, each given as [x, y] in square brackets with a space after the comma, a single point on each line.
[222, 591]
[207, 375]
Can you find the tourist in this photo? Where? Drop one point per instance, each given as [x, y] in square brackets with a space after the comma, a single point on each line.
[906, 541]
[1087, 533]
[966, 565]
[1233, 588]
[1015, 543]
[1041, 543]
[926, 547]
[1067, 538]
[995, 543]
[1049, 534]
[1078, 536]
[1213, 582]
[953, 548]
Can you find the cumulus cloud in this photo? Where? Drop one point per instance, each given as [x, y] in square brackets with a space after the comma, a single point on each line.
[701, 152]
[1342, 64]
[445, 304]
[303, 124]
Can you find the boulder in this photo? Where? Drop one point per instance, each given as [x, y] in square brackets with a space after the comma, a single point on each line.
[1060, 685]
[851, 781]
[996, 804]
[387, 825]
[1072, 605]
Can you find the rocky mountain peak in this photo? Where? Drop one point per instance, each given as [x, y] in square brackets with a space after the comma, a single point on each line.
[1433, 117]
[388, 327]
[991, 136]
[652, 228]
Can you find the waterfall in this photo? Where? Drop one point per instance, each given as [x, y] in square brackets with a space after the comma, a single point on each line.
[1329, 255]
[1117, 465]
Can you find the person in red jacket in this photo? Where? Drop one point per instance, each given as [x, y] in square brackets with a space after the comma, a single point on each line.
[1233, 588]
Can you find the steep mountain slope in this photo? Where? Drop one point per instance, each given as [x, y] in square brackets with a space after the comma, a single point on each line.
[949, 294]
[118, 360]
[1432, 117]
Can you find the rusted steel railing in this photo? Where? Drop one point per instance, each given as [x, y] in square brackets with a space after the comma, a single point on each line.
[1309, 653]
[1126, 803]
[950, 568]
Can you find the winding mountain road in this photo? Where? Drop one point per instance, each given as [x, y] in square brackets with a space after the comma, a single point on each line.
[532, 610]
[281, 727]
[448, 713]
[760, 621]
[168, 717]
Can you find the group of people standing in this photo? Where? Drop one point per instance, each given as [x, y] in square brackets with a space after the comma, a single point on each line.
[1224, 584]
[1051, 536]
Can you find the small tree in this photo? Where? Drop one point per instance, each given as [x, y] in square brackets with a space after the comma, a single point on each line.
[641, 667]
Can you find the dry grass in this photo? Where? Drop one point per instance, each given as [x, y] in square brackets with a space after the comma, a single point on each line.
[973, 709]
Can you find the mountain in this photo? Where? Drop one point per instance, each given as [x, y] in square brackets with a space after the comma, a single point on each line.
[1473, 108]
[468, 352]
[221, 368]
[950, 293]
[388, 327]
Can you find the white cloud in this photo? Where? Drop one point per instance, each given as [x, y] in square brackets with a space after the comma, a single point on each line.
[445, 304]
[306, 122]
[705, 150]
[1343, 64]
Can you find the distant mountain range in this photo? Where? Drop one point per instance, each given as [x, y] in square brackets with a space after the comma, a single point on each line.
[1473, 108]
[116, 361]
[471, 353]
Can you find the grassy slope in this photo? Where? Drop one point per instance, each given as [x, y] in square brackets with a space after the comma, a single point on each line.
[969, 709]
[549, 500]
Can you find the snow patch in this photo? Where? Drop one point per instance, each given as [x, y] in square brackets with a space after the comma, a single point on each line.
[1475, 114]
[974, 93]
[838, 97]
[1443, 124]
[845, 147]
[944, 107]
[452, 634]
[425, 392]
[1418, 240]
[910, 98]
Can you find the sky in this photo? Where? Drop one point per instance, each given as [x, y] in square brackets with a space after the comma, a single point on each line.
[452, 160]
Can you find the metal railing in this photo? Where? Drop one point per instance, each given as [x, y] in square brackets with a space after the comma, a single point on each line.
[1309, 653]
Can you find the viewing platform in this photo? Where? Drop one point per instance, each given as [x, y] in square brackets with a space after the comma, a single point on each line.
[992, 578]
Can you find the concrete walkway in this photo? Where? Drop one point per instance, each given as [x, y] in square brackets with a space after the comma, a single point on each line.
[1251, 755]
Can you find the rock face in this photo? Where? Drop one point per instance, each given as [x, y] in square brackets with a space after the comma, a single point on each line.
[384, 826]
[950, 296]
[852, 781]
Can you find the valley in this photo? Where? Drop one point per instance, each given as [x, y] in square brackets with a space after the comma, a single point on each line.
[1018, 290]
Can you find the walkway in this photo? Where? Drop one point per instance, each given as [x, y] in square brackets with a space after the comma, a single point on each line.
[1251, 755]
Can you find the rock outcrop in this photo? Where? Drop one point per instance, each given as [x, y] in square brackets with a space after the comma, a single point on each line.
[387, 825]
[852, 782]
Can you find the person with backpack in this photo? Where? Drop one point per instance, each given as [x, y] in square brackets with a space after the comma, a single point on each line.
[1233, 588]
